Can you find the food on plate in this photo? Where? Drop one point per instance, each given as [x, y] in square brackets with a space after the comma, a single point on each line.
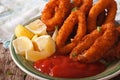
[37, 27]
[76, 3]
[54, 36]
[99, 7]
[112, 10]
[21, 44]
[45, 44]
[55, 12]
[100, 46]
[64, 67]
[73, 36]
[86, 5]
[114, 52]
[34, 56]
[20, 30]
[31, 45]
[65, 31]
[77, 17]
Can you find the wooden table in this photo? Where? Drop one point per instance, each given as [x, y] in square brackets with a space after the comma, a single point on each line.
[9, 70]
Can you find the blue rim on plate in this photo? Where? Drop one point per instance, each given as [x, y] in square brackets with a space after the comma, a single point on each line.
[112, 70]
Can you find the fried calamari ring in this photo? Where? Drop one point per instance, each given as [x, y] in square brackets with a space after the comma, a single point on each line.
[86, 42]
[114, 52]
[76, 17]
[83, 5]
[112, 10]
[98, 49]
[65, 31]
[97, 9]
[77, 3]
[86, 6]
[55, 12]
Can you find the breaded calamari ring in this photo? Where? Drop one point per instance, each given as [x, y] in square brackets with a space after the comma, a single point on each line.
[65, 31]
[99, 47]
[112, 10]
[114, 52]
[86, 42]
[76, 17]
[96, 10]
[77, 3]
[86, 6]
[55, 12]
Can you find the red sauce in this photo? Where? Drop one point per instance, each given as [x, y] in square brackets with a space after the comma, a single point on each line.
[63, 67]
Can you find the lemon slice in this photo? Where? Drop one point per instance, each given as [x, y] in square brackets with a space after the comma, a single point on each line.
[34, 37]
[37, 27]
[22, 44]
[55, 34]
[34, 55]
[46, 45]
[22, 31]
[34, 44]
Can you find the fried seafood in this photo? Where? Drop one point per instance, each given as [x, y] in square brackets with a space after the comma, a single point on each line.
[99, 7]
[112, 9]
[79, 34]
[97, 47]
[114, 52]
[83, 5]
[55, 12]
[76, 17]
[65, 31]
[77, 3]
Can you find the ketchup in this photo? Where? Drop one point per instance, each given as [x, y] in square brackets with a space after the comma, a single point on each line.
[63, 67]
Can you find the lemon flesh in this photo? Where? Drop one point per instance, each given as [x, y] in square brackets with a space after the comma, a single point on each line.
[46, 45]
[37, 27]
[22, 31]
[22, 44]
[54, 36]
[34, 55]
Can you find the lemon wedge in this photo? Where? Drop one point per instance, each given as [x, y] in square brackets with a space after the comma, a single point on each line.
[22, 44]
[55, 34]
[34, 44]
[37, 27]
[20, 30]
[33, 56]
[34, 37]
[46, 45]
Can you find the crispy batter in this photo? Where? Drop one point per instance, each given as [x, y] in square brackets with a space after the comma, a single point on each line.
[100, 46]
[86, 5]
[112, 10]
[76, 17]
[114, 52]
[66, 29]
[55, 12]
[86, 42]
[77, 3]
[97, 9]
